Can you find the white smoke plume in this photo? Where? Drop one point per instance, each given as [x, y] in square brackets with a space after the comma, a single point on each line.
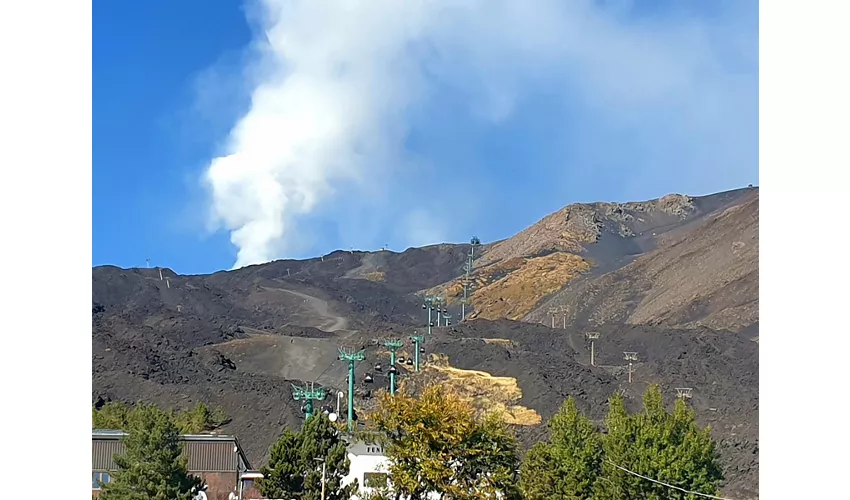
[340, 82]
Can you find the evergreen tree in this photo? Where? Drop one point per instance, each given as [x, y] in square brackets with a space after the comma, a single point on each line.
[200, 418]
[294, 472]
[568, 466]
[537, 475]
[663, 446]
[152, 467]
[618, 447]
[283, 477]
[112, 415]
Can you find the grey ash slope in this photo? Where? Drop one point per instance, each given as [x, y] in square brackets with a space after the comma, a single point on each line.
[238, 338]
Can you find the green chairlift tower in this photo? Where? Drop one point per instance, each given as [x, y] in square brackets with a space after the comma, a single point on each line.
[467, 279]
[352, 357]
[441, 309]
[308, 395]
[417, 345]
[393, 346]
[431, 302]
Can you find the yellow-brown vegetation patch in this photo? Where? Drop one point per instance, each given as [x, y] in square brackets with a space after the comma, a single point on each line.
[486, 393]
[502, 342]
[516, 294]
[453, 290]
[378, 276]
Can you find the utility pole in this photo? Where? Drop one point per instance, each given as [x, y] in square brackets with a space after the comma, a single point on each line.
[417, 343]
[630, 356]
[592, 337]
[393, 346]
[684, 392]
[440, 309]
[447, 317]
[160, 273]
[148, 262]
[324, 474]
[352, 357]
[553, 311]
[308, 395]
[339, 396]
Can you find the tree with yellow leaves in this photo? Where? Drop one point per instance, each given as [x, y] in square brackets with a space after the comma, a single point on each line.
[435, 444]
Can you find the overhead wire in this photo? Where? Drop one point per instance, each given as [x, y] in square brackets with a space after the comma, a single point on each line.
[666, 484]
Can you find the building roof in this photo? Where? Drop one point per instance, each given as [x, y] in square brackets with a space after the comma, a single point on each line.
[117, 435]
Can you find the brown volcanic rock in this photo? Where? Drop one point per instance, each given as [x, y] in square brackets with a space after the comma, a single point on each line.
[576, 226]
[704, 273]
[565, 230]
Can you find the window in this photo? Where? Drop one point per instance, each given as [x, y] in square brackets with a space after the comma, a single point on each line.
[98, 478]
[375, 480]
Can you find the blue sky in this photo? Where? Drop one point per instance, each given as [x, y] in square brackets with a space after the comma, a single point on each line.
[227, 133]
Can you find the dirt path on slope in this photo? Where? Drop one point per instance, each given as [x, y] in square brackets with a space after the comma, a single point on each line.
[330, 321]
[296, 358]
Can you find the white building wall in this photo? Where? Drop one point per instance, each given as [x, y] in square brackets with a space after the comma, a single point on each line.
[364, 458]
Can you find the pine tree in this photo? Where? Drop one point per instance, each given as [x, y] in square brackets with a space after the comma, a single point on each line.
[112, 415]
[200, 418]
[294, 472]
[663, 446]
[618, 448]
[152, 467]
[537, 474]
[568, 466]
[320, 439]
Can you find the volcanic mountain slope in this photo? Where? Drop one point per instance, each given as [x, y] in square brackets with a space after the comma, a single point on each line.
[702, 273]
[649, 277]
[677, 261]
